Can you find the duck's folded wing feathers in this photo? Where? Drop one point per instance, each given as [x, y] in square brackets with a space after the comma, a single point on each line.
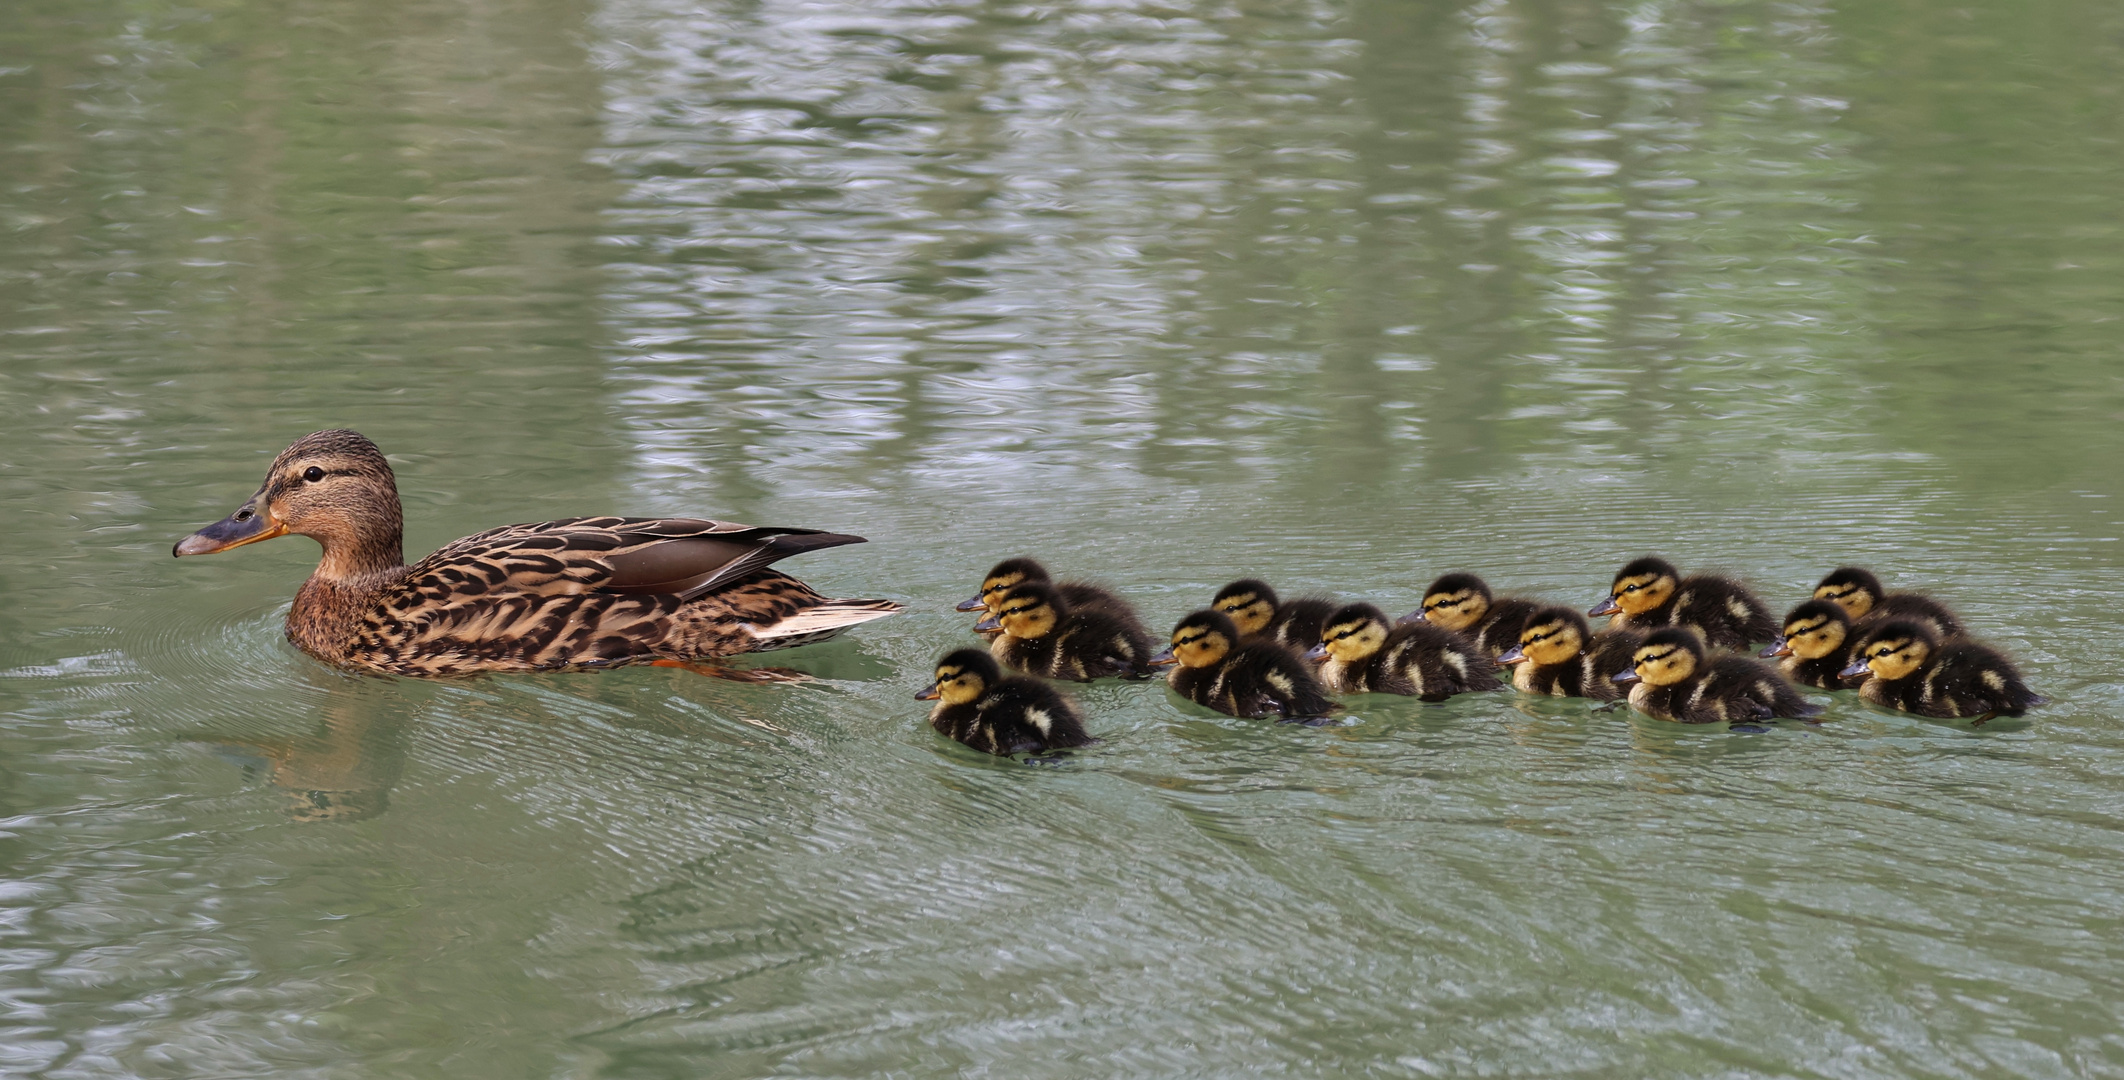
[682, 557]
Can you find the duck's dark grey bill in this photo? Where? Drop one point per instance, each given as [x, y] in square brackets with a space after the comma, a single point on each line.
[973, 604]
[1513, 655]
[1162, 659]
[246, 526]
[1855, 670]
[1605, 607]
[1777, 647]
[1317, 652]
[1626, 676]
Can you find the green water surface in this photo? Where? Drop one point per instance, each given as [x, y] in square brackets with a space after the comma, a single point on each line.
[1342, 293]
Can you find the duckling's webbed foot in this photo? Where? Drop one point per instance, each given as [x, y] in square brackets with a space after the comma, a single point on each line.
[1308, 721]
[1979, 721]
[736, 674]
[1609, 707]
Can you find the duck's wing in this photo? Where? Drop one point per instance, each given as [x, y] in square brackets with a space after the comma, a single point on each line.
[678, 557]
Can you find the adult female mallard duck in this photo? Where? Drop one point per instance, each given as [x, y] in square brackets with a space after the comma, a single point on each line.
[1649, 593]
[555, 595]
[1242, 678]
[1558, 654]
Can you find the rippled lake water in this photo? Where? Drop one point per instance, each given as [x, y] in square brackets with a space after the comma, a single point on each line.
[1340, 294]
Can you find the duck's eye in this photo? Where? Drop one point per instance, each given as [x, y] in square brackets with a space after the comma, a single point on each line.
[1632, 588]
[313, 474]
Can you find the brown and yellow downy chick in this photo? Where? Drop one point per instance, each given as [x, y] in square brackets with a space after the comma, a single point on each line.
[1908, 667]
[1815, 644]
[1077, 594]
[1559, 655]
[1257, 612]
[1859, 593]
[1649, 593]
[1464, 604]
[1362, 653]
[1043, 635]
[1675, 678]
[1242, 678]
[979, 707]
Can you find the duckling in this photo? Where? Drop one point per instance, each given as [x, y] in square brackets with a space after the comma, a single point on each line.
[1906, 666]
[1363, 654]
[979, 707]
[1815, 642]
[1558, 654]
[1255, 610]
[1241, 678]
[1649, 593]
[1044, 635]
[1859, 593]
[1464, 604]
[1675, 678]
[1077, 594]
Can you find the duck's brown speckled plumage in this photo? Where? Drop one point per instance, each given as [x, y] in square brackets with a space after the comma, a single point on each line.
[556, 595]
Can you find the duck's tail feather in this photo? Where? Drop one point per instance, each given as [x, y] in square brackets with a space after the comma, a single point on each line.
[819, 622]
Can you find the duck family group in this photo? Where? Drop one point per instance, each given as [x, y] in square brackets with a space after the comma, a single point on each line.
[600, 592]
[1673, 648]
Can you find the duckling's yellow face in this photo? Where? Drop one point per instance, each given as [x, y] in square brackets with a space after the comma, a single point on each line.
[1663, 665]
[1893, 658]
[1199, 646]
[1553, 642]
[1640, 593]
[1354, 641]
[1853, 597]
[993, 588]
[1811, 637]
[957, 685]
[1455, 610]
[1026, 616]
[1249, 612]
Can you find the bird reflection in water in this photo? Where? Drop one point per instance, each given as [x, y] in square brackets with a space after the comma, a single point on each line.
[344, 771]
